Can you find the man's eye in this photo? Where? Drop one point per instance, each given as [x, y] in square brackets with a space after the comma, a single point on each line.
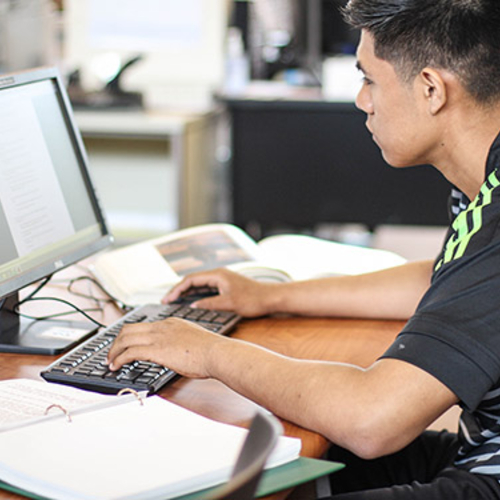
[366, 80]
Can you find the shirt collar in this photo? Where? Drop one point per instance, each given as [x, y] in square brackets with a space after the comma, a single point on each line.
[493, 161]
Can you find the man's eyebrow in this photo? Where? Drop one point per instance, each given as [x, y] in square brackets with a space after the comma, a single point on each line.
[359, 66]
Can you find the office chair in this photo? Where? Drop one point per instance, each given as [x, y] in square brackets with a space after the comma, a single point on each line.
[258, 445]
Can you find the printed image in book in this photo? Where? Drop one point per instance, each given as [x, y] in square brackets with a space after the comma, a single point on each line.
[201, 252]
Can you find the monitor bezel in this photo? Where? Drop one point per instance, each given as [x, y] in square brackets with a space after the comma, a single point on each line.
[17, 283]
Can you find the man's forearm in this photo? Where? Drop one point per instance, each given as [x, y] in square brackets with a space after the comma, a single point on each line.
[392, 293]
[371, 412]
[291, 388]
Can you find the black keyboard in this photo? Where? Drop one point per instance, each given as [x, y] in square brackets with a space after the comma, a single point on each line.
[85, 365]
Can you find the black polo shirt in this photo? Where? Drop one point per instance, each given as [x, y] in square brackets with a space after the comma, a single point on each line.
[455, 332]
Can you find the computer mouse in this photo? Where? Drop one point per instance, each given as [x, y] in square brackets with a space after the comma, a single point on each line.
[196, 293]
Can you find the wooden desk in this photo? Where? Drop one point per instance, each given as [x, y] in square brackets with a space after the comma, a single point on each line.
[353, 341]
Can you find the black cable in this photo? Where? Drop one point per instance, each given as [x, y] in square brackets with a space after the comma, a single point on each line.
[36, 290]
[57, 315]
[112, 299]
[30, 297]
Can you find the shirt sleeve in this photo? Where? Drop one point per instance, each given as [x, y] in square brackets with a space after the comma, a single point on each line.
[455, 333]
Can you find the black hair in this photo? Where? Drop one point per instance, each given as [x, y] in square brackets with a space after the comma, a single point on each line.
[461, 36]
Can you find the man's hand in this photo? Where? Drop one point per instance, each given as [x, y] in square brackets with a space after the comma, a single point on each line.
[239, 294]
[178, 344]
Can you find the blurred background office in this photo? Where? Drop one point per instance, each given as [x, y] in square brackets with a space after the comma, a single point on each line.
[218, 110]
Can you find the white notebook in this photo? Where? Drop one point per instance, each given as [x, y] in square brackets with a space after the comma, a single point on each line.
[122, 448]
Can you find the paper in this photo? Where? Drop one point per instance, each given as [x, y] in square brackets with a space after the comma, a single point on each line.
[307, 257]
[143, 273]
[131, 451]
[24, 399]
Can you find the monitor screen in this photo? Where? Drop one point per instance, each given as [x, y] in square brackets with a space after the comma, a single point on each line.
[49, 213]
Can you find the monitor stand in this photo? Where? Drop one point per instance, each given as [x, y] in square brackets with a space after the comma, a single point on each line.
[22, 335]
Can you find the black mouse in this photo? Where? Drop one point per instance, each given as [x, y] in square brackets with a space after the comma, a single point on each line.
[196, 293]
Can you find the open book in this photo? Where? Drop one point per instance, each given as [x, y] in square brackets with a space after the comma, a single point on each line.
[113, 447]
[143, 272]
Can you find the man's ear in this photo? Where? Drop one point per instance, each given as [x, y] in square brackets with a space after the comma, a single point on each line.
[434, 89]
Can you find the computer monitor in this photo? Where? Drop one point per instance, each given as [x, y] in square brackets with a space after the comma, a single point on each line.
[182, 45]
[49, 213]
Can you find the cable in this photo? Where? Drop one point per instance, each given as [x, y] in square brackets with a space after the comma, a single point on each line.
[112, 299]
[30, 297]
[57, 315]
[36, 290]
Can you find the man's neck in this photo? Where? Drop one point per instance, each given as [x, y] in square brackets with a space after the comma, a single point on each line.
[463, 154]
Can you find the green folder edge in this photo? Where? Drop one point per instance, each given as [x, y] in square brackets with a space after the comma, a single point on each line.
[273, 480]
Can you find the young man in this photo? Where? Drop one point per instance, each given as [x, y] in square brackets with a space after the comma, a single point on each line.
[431, 94]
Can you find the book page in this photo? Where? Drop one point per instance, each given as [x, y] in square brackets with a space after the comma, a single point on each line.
[264, 273]
[25, 399]
[306, 257]
[145, 271]
[202, 251]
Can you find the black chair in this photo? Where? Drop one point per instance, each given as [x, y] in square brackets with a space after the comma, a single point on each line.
[260, 442]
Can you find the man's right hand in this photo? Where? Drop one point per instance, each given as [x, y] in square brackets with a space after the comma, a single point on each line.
[244, 296]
